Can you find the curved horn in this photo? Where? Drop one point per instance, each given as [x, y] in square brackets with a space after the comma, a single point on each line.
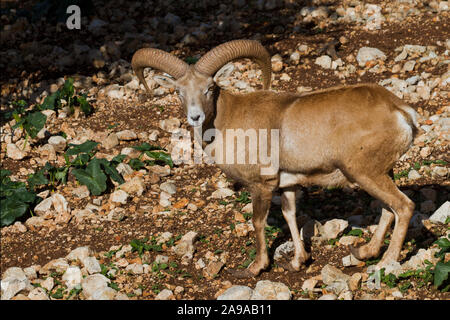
[214, 59]
[157, 59]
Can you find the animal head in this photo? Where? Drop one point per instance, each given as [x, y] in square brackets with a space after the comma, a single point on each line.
[195, 84]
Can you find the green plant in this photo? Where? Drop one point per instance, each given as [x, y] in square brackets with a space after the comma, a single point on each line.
[30, 121]
[15, 198]
[442, 269]
[87, 169]
[390, 279]
[114, 286]
[67, 93]
[156, 288]
[154, 152]
[74, 291]
[142, 245]
[247, 216]
[91, 171]
[272, 232]
[355, 232]
[416, 166]
[251, 257]
[158, 267]
[58, 294]
[401, 174]
[444, 245]
[437, 274]
[48, 175]
[333, 242]
[244, 197]
[111, 253]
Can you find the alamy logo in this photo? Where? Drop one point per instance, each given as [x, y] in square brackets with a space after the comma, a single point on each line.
[234, 146]
[74, 20]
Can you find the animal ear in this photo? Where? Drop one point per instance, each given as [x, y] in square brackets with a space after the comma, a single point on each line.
[165, 81]
[224, 72]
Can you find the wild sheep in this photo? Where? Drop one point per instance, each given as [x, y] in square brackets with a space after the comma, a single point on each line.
[337, 136]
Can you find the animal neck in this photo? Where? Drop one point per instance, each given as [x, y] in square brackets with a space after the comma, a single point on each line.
[211, 116]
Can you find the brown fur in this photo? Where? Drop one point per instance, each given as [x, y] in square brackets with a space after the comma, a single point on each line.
[337, 136]
[330, 137]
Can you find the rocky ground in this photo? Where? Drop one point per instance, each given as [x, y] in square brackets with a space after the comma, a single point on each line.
[173, 232]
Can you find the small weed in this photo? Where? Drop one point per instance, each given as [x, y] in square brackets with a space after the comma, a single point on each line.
[244, 197]
[355, 232]
[74, 292]
[58, 294]
[141, 245]
[114, 286]
[272, 232]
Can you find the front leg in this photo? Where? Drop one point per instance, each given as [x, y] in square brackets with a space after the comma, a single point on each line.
[261, 204]
[288, 209]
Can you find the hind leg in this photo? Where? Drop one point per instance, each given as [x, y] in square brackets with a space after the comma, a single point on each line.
[288, 209]
[372, 249]
[383, 188]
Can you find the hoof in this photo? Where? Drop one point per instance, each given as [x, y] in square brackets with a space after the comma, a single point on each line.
[361, 253]
[288, 266]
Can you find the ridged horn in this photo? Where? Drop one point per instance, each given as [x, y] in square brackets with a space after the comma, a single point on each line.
[157, 59]
[217, 57]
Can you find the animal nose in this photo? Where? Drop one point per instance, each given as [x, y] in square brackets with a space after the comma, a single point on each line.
[195, 118]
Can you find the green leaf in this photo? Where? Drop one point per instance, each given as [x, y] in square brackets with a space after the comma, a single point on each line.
[58, 294]
[16, 190]
[244, 197]
[114, 286]
[111, 171]
[405, 286]
[137, 245]
[86, 147]
[4, 174]
[50, 101]
[81, 160]
[161, 156]
[34, 122]
[136, 164]
[22, 194]
[20, 104]
[15, 199]
[117, 159]
[61, 174]
[67, 91]
[10, 210]
[93, 177]
[441, 272]
[355, 232]
[443, 243]
[37, 179]
[84, 105]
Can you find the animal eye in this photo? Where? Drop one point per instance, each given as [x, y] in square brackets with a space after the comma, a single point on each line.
[209, 90]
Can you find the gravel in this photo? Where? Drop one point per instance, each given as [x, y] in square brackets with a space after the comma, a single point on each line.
[165, 205]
